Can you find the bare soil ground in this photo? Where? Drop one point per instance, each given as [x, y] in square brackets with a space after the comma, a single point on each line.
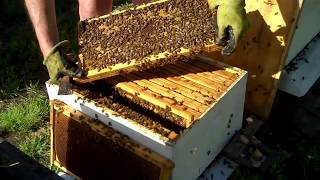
[294, 131]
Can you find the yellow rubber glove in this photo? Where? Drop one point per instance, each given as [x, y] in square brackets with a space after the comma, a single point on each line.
[231, 23]
[58, 66]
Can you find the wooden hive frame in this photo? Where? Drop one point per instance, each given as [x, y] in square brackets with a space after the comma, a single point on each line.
[134, 65]
[58, 107]
[187, 89]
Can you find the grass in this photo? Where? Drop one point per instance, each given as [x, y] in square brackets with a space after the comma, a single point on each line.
[27, 113]
[24, 122]
[37, 146]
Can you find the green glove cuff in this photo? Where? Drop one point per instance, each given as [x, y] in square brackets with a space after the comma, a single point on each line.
[62, 44]
[214, 3]
[232, 2]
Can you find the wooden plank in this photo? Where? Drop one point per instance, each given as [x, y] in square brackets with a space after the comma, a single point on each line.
[219, 73]
[52, 119]
[205, 74]
[194, 78]
[156, 99]
[187, 83]
[176, 88]
[167, 93]
[263, 50]
[165, 173]
[226, 69]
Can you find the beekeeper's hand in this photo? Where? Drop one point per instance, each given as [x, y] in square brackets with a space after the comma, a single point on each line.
[231, 23]
[58, 66]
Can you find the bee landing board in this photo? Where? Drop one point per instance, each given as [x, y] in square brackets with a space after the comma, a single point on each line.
[145, 36]
[190, 147]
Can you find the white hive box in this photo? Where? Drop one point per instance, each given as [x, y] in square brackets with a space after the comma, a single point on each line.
[303, 71]
[304, 45]
[194, 148]
[307, 28]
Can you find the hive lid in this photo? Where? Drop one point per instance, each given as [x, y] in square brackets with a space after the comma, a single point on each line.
[145, 36]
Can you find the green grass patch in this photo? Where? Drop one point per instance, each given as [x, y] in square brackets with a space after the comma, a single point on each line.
[27, 113]
[37, 146]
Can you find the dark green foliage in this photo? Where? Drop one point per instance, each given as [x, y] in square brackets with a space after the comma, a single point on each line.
[120, 2]
[20, 59]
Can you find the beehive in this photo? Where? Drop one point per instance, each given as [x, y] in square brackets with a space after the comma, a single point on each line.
[88, 149]
[145, 36]
[210, 92]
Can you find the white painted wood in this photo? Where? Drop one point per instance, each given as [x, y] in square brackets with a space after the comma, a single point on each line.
[307, 27]
[196, 148]
[140, 134]
[220, 169]
[298, 81]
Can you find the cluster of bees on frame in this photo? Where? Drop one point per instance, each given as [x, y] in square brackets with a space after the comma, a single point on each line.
[138, 34]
